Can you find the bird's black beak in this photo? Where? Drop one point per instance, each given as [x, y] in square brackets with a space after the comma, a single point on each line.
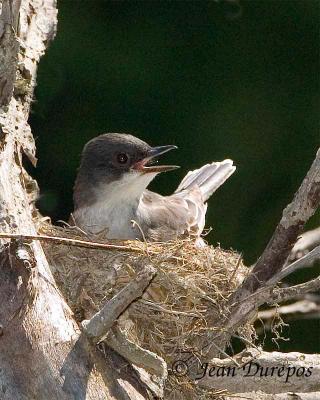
[145, 165]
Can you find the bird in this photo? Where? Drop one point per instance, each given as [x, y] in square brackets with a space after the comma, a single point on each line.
[111, 198]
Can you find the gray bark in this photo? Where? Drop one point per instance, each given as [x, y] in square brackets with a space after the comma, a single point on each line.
[306, 242]
[43, 354]
[270, 372]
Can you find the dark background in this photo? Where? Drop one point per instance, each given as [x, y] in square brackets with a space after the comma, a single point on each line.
[219, 79]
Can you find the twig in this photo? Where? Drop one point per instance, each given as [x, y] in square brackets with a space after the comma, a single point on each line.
[70, 242]
[246, 308]
[271, 295]
[302, 309]
[156, 306]
[135, 224]
[289, 293]
[102, 321]
[305, 261]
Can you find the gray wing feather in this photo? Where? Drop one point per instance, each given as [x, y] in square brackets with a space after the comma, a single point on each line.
[208, 178]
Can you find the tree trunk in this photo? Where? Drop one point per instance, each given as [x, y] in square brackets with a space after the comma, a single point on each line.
[43, 354]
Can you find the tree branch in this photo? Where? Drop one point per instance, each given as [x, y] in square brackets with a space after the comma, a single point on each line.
[306, 242]
[98, 326]
[296, 214]
[303, 262]
[268, 295]
[243, 304]
[299, 310]
[266, 372]
[135, 354]
[292, 292]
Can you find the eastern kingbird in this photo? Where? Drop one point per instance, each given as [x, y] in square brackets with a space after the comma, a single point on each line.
[111, 191]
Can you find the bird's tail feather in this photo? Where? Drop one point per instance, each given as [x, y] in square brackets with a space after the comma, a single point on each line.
[208, 178]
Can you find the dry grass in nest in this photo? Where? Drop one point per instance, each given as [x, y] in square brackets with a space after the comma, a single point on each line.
[191, 284]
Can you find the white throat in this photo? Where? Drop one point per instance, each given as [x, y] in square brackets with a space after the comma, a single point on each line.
[128, 189]
[115, 207]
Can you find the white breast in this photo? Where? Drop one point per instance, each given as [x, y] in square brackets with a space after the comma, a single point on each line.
[112, 219]
[115, 208]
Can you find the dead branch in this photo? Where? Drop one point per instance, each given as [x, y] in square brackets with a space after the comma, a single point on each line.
[296, 214]
[243, 304]
[304, 262]
[136, 355]
[98, 326]
[271, 295]
[306, 242]
[246, 308]
[299, 310]
[268, 372]
[292, 292]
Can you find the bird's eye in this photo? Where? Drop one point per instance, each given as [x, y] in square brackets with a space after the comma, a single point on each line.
[122, 158]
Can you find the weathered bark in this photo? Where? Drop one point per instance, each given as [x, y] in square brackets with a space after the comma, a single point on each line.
[307, 242]
[9, 48]
[258, 395]
[270, 372]
[43, 354]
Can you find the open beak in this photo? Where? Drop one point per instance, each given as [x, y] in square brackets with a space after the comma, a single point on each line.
[146, 164]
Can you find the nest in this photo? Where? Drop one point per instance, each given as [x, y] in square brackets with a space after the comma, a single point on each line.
[192, 286]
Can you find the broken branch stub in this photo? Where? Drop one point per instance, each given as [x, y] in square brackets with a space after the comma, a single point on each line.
[98, 326]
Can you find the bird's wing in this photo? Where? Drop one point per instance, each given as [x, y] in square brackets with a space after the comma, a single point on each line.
[167, 217]
[164, 218]
[208, 178]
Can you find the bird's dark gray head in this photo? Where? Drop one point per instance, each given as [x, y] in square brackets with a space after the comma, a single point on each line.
[115, 160]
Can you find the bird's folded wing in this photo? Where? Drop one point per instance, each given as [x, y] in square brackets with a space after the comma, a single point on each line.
[166, 218]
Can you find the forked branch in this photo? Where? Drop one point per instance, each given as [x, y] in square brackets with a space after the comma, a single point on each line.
[295, 215]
